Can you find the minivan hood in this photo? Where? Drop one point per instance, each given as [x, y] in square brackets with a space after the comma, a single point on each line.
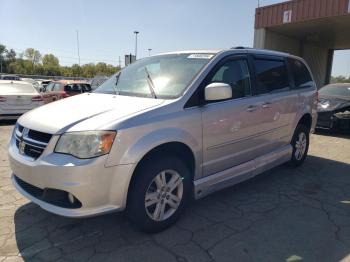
[59, 116]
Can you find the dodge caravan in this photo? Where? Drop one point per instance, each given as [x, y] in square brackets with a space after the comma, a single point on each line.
[163, 130]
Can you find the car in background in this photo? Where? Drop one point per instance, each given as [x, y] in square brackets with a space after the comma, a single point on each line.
[10, 77]
[60, 89]
[334, 107]
[97, 81]
[16, 98]
[44, 83]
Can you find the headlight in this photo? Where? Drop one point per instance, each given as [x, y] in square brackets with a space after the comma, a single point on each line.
[324, 104]
[86, 144]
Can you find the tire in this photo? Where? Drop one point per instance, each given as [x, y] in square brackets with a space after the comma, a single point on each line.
[300, 143]
[149, 182]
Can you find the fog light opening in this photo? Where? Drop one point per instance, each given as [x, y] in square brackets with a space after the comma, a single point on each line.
[71, 198]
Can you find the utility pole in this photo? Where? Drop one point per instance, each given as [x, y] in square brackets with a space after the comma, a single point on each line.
[78, 49]
[136, 33]
[149, 51]
[120, 63]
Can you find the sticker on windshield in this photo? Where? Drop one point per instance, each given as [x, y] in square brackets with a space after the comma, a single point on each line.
[200, 56]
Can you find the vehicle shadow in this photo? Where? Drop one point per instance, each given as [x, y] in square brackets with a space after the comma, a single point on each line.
[333, 133]
[7, 122]
[285, 214]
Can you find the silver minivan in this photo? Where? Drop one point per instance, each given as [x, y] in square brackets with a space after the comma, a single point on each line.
[164, 130]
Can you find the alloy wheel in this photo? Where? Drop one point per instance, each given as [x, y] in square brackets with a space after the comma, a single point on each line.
[164, 195]
[300, 146]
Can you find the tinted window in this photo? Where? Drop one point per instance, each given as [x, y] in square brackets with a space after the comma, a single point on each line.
[236, 74]
[68, 88]
[272, 75]
[301, 75]
[77, 88]
[86, 88]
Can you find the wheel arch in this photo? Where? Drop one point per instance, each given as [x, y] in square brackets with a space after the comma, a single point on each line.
[306, 120]
[174, 148]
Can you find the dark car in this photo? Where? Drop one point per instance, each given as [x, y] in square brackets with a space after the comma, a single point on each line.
[334, 107]
[10, 77]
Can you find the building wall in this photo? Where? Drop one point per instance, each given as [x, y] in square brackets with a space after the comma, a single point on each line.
[301, 10]
[317, 57]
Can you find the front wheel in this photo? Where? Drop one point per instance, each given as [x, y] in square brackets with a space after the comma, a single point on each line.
[300, 144]
[159, 193]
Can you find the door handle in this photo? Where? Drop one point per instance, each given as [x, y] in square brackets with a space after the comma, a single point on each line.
[251, 108]
[266, 105]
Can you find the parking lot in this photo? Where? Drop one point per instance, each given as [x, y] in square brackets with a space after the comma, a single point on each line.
[283, 215]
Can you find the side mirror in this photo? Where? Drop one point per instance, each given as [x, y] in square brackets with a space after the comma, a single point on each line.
[217, 91]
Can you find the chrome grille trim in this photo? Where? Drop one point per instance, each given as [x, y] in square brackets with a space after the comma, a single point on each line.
[27, 146]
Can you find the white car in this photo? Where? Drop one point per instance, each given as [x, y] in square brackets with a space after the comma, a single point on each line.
[16, 98]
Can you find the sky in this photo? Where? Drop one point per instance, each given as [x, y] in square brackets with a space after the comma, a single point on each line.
[106, 27]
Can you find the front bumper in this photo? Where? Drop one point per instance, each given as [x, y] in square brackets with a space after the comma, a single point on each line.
[329, 120]
[98, 188]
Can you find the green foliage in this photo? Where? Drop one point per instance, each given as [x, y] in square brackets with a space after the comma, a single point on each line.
[32, 55]
[340, 79]
[31, 62]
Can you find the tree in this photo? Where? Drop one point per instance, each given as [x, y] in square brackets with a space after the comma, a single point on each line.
[75, 70]
[340, 79]
[21, 66]
[50, 60]
[29, 62]
[51, 65]
[3, 50]
[88, 70]
[32, 55]
[11, 55]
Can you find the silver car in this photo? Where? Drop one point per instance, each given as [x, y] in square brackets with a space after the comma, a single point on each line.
[17, 98]
[165, 129]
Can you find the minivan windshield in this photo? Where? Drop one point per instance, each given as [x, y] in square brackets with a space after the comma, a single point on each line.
[163, 76]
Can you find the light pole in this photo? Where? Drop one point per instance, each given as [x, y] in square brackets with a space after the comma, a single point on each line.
[136, 32]
[149, 51]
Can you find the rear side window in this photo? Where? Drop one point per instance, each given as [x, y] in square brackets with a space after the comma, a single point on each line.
[271, 75]
[301, 74]
[77, 88]
[68, 88]
[86, 88]
[56, 87]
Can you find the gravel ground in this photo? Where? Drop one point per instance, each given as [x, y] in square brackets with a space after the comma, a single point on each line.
[285, 214]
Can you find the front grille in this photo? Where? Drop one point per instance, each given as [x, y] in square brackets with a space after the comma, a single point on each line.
[30, 142]
[39, 136]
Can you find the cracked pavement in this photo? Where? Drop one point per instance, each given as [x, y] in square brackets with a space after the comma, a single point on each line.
[285, 214]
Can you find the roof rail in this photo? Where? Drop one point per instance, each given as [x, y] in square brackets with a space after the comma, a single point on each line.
[240, 47]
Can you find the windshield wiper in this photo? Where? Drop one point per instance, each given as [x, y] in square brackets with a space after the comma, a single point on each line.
[115, 85]
[150, 83]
